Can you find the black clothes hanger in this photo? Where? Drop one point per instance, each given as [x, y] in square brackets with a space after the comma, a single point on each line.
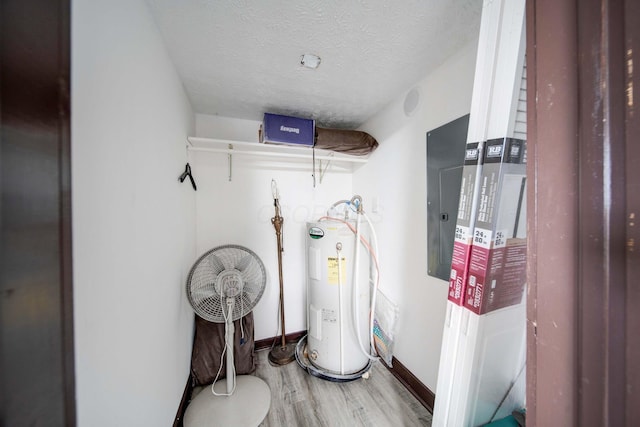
[187, 173]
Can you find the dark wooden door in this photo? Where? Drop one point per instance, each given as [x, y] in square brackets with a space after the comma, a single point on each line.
[583, 347]
[36, 329]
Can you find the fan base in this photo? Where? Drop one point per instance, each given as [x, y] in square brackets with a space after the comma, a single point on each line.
[247, 406]
[282, 355]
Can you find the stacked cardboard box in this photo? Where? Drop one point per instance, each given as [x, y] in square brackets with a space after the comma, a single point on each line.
[497, 263]
[465, 222]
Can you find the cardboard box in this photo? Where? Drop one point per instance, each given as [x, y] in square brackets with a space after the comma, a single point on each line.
[277, 129]
[465, 222]
[497, 263]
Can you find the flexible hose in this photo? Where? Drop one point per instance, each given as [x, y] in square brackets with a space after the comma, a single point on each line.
[360, 213]
[355, 296]
[338, 203]
[340, 285]
[376, 282]
[356, 276]
[360, 239]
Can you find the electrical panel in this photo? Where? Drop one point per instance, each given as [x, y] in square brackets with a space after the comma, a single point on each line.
[445, 158]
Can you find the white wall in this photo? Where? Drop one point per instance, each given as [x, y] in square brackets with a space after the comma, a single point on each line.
[240, 211]
[133, 222]
[396, 175]
[137, 230]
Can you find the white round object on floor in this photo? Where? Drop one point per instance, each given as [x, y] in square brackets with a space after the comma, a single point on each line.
[246, 407]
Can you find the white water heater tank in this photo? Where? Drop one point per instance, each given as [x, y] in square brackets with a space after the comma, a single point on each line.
[337, 311]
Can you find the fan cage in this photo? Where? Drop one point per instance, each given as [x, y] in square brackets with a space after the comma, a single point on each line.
[228, 273]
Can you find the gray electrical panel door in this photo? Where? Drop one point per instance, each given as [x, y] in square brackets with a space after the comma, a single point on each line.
[445, 158]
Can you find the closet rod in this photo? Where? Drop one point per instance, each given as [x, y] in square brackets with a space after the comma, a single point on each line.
[275, 154]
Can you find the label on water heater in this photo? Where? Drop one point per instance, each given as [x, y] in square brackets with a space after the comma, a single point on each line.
[316, 233]
[329, 315]
[335, 276]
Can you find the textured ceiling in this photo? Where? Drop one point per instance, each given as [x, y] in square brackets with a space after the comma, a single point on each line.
[242, 58]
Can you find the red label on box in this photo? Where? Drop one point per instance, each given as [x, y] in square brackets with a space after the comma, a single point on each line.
[496, 276]
[458, 278]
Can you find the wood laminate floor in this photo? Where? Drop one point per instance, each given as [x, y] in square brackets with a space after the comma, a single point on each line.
[300, 399]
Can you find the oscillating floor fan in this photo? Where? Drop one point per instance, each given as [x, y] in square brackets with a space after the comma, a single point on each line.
[223, 285]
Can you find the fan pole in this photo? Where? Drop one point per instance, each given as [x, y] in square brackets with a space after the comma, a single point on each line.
[285, 353]
[229, 332]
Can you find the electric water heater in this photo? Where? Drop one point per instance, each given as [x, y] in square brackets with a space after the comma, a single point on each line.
[338, 297]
